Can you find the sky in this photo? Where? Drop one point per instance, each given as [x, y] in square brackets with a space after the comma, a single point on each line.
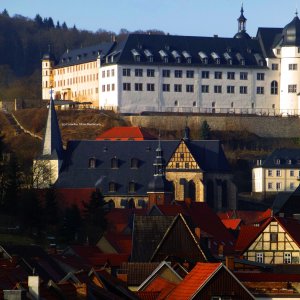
[180, 17]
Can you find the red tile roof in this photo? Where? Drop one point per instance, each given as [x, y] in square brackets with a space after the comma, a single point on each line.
[121, 242]
[196, 279]
[164, 286]
[143, 295]
[248, 217]
[232, 223]
[125, 134]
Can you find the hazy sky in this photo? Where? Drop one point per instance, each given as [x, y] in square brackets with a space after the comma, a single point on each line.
[182, 17]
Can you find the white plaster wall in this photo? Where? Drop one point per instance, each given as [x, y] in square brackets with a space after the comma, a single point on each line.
[258, 180]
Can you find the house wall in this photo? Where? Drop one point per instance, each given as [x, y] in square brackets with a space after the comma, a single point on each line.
[273, 252]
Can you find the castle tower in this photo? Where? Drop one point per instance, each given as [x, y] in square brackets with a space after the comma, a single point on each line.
[159, 189]
[288, 50]
[47, 166]
[47, 74]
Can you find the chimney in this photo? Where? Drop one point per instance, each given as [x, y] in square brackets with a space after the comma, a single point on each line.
[229, 261]
[33, 286]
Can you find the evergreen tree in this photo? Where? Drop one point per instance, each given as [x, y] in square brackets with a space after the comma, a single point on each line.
[57, 25]
[39, 21]
[64, 26]
[94, 216]
[5, 13]
[205, 131]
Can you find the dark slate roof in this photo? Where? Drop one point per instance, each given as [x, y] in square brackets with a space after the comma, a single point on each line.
[247, 48]
[84, 55]
[269, 38]
[148, 232]
[291, 33]
[77, 174]
[52, 140]
[284, 158]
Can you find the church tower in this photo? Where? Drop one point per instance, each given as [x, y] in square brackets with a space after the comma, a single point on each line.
[47, 74]
[47, 166]
[159, 189]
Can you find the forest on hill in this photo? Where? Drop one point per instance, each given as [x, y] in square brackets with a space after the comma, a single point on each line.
[23, 42]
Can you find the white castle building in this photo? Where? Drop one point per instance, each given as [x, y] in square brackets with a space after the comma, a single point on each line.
[257, 75]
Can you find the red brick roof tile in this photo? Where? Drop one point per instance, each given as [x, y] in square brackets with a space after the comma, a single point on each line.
[125, 134]
[197, 278]
[162, 285]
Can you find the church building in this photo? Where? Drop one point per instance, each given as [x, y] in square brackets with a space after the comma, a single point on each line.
[170, 73]
[135, 173]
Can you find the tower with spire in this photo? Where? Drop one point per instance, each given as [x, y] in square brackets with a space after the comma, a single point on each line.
[159, 188]
[242, 34]
[46, 168]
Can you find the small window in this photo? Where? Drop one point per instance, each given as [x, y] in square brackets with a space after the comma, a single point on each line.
[259, 257]
[126, 86]
[243, 76]
[178, 73]
[270, 186]
[230, 75]
[218, 89]
[112, 187]
[150, 72]
[175, 103]
[166, 87]
[126, 72]
[275, 67]
[166, 73]
[114, 163]
[177, 88]
[274, 87]
[270, 173]
[230, 89]
[260, 90]
[293, 67]
[205, 74]
[138, 72]
[287, 259]
[278, 186]
[292, 173]
[189, 88]
[138, 86]
[273, 237]
[150, 87]
[189, 74]
[205, 88]
[260, 76]
[218, 75]
[278, 173]
[92, 163]
[292, 88]
[243, 89]
[131, 187]
[134, 163]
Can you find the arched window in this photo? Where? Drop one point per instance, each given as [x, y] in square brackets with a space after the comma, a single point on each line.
[92, 163]
[274, 87]
[114, 163]
[134, 163]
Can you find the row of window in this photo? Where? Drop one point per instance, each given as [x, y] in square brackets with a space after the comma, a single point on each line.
[189, 88]
[189, 74]
[277, 173]
[277, 186]
[287, 257]
[108, 87]
[114, 163]
[75, 68]
[108, 73]
[76, 80]
[113, 187]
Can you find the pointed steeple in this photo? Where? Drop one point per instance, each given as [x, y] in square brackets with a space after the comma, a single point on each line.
[52, 139]
[159, 162]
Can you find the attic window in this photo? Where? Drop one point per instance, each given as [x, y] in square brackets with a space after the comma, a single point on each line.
[131, 187]
[78, 57]
[277, 161]
[216, 58]
[163, 55]
[259, 59]
[187, 56]
[240, 58]
[114, 163]
[112, 187]
[273, 237]
[203, 57]
[176, 56]
[136, 55]
[149, 55]
[134, 163]
[289, 161]
[228, 58]
[92, 163]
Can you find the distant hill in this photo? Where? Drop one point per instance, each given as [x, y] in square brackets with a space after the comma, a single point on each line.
[23, 42]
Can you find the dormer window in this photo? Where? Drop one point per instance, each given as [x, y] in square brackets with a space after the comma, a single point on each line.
[163, 55]
[92, 163]
[149, 55]
[176, 56]
[259, 59]
[289, 161]
[187, 56]
[114, 163]
[228, 58]
[216, 58]
[112, 187]
[136, 55]
[131, 187]
[277, 161]
[134, 163]
[203, 57]
[240, 58]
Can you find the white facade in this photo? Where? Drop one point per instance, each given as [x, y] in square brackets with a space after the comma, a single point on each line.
[158, 74]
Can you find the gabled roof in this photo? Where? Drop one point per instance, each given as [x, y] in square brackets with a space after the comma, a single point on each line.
[125, 133]
[232, 223]
[148, 232]
[160, 268]
[164, 286]
[248, 234]
[197, 279]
